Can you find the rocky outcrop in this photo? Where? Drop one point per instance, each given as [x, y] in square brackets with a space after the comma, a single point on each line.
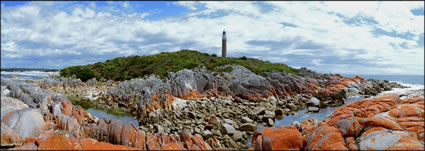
[283, 138]
[380, 123]
[149, 94]
[64, 126]
[62, 82]
[188, 97]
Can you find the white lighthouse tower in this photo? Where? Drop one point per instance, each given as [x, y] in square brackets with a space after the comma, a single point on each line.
[223, 45]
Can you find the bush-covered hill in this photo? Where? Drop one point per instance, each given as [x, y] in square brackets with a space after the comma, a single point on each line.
[124, 68]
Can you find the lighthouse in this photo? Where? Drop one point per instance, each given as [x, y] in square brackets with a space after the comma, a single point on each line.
[223, 45]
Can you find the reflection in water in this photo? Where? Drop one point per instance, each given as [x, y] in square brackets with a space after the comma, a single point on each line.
[102, 114]
[302, 115]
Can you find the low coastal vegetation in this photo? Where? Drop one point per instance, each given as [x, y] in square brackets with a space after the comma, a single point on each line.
[125, 68]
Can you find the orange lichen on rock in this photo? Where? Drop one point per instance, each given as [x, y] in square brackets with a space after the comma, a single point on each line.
[9, 137]
[60, 141]
[92, 144]
[380, 122]
[192, 95]
[324, 137]
[283, 138]
[172, 146]
[200, 143]
[341, 83]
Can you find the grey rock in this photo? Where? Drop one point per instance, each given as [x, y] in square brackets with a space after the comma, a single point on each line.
[215, 132]
[26, 122]
[159, 129]
[258, 111]
[278, 112]
[228, 121]
[91, 82]
[246, 120]
[313, 109]
[237, 136]
[192, 115]
[269, 114]
[291, 106]
[248, 127]
[227, 129]
[314, 101]
[386, 139]
[207, 134]
[296, 124]
[9, 104]
[270, 122]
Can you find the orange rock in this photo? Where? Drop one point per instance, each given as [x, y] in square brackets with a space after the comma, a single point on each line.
[201, 143]
[195, 147]
[325, 137]
[151, 142]
[371, 130]
[67, 107]
[410, 143]
[258, 142]
[412, 124]
[349, 127]
[128, 134]
[140, 140]
[350, 141]
[9, 137]
[308, 125]
[27, 146]
[115, 129]
[172, 146]
[380, 122]
[412, 100]
[92, 144]
[60, 141]
[185, 137]
[394, 112]
[408, 110]
[283, 138]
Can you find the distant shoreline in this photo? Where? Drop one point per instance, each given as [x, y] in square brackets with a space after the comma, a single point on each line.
[29, 69]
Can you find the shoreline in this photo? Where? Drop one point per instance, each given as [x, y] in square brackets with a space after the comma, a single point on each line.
[237, 138]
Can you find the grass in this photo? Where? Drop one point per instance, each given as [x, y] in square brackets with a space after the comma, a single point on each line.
[87, 104]
[124, 68]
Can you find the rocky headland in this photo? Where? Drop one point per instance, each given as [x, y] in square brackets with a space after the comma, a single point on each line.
[191, 109]
[195, 101]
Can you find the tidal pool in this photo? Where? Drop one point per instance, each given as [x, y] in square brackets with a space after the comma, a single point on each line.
[113, 114]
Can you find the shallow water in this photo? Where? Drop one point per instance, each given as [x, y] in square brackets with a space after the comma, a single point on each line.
[102, 114]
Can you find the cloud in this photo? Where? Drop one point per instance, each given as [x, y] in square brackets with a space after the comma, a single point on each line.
[337, 37]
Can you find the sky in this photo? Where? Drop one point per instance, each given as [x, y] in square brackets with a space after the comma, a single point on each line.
[384, 38]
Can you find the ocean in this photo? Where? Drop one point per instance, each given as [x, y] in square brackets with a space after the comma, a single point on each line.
[408, 79]
[27, 75]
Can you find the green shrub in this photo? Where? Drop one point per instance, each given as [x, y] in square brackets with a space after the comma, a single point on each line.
[83, 72]
[124, 68]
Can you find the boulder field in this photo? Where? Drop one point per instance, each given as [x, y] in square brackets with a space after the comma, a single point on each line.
[381, 123]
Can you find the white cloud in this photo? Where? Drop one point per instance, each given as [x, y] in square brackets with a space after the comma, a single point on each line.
[189, 4]
[322, 30]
